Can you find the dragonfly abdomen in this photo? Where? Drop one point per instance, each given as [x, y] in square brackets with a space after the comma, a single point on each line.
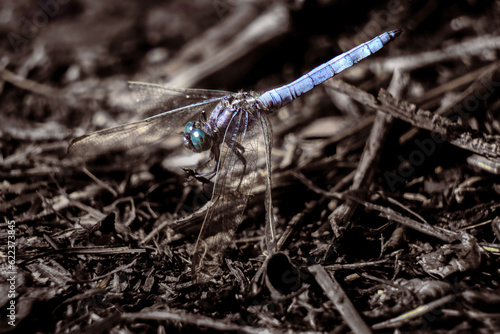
[278, 97]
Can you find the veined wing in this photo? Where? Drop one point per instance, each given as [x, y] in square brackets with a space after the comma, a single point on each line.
[151, 99]
[143, 132]
[270, 224]
[235, 177]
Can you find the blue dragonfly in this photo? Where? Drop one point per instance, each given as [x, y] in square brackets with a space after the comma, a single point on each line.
[228, 125]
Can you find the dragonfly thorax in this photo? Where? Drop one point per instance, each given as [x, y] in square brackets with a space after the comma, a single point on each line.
[202, 135]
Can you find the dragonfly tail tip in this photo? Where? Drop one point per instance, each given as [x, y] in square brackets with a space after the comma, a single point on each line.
[397, 32]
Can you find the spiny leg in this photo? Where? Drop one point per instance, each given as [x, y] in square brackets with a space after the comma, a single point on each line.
[208, 176]
[191, 173]
[239, 150]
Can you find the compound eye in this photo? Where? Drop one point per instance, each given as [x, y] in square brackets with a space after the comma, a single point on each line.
[200, 140]
[189, 126]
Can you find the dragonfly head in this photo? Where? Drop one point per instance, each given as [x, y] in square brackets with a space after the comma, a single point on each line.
[195, 138]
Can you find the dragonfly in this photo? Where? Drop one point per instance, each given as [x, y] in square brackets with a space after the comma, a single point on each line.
[228, 125]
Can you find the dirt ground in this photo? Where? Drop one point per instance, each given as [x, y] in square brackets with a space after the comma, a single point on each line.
[384, 179]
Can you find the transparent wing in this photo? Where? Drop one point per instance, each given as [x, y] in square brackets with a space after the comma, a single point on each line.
[236, 175]
[270, 224]
[150, 99]
[143, 132]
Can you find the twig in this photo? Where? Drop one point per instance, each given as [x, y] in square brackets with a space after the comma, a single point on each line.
[447, 236]
[417, 312]
[87, 250]
[201, 212]
[31, 85]
[195, 320]
[269, 25]
[471, 47]
[454, 133]
[481, 78]
[98, 278]
[336, 294]
[353, 266]
[370, 157]
[99, 182]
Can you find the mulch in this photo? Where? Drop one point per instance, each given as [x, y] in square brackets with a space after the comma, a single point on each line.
[384, 179]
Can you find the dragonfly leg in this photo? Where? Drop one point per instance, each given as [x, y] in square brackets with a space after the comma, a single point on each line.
[208, 176]
[203, 116]
[239, 150]
[200, 177]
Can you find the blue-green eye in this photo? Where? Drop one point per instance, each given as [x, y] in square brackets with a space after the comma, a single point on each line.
[189, 126]
[200, 140]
